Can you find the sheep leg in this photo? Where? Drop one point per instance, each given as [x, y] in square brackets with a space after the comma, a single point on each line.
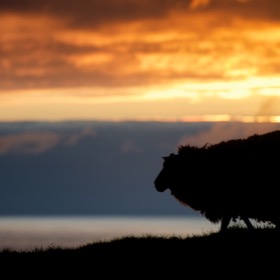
[248, 223]
[225, 223]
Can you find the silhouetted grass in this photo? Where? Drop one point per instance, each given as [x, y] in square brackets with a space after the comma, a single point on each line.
[236, 250]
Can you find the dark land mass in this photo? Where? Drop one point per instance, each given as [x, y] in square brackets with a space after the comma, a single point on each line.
[233, 254]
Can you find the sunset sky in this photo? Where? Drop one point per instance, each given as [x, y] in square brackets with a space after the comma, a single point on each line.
[174, 60]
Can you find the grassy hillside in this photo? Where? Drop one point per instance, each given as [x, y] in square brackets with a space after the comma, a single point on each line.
[235, 251]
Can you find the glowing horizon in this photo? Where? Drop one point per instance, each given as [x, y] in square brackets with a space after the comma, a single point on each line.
[132, 60]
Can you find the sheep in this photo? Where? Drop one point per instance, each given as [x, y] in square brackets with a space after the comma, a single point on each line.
[234, 179]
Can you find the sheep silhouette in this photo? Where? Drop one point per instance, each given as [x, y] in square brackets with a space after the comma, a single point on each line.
[234, 179]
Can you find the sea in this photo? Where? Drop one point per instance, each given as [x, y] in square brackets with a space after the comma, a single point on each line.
[26, 233]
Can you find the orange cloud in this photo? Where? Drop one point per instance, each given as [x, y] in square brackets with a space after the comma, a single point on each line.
[145, 51]
[199, 3]
[47, 51]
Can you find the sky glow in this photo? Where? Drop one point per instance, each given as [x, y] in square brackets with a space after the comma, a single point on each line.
[140, 60]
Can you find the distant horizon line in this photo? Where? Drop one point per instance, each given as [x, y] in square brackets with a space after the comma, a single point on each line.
[184, 119]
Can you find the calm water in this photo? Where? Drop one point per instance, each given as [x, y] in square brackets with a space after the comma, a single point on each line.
[27, 233]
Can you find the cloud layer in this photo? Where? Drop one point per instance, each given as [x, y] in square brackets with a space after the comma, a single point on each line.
[137, 51]
[98, 168]
[123, 43]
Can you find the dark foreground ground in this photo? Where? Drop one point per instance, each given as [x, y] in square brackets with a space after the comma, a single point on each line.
[237, 253]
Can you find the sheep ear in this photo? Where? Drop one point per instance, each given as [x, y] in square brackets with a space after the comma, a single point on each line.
[170, 155]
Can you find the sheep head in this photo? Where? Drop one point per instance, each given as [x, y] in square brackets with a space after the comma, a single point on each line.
[171, 168]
